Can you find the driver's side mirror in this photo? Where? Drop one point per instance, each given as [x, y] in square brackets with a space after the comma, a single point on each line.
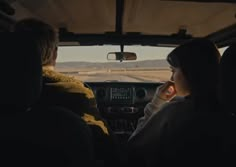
[121, 56]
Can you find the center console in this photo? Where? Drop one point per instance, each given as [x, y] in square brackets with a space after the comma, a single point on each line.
[119, 108]
[122, 104]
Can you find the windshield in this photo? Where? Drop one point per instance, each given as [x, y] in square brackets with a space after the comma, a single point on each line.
[90, 64]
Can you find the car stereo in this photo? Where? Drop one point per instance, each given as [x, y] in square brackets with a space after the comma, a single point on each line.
[122, 95]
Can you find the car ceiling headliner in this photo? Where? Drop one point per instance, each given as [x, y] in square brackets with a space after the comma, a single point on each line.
[146, 17]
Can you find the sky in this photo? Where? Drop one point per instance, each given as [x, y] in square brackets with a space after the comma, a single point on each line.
[99, 53]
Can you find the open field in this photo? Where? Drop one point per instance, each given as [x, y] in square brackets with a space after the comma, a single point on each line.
[125, 75]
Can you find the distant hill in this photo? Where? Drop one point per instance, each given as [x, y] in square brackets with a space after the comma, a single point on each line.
[138, 64]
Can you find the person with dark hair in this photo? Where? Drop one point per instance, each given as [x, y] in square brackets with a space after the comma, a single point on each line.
[171, 130]
[66, 91]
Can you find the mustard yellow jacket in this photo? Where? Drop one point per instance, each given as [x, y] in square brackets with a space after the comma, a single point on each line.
[65, 91]
[68, 92]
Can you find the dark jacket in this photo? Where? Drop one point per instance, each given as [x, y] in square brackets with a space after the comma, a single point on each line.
[68, 92]
[177, 134]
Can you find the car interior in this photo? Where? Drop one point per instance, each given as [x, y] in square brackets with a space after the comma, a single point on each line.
[121, 87]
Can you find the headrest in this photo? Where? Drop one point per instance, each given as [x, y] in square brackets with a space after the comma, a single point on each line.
[227, 81]
[228, 59]
[21, 70]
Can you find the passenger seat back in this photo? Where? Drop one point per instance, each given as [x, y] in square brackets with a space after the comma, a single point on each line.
[31, 135]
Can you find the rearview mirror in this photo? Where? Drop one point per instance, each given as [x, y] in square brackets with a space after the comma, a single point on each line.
[121, 56]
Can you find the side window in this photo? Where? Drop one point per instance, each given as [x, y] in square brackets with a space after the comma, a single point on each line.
[222, 50]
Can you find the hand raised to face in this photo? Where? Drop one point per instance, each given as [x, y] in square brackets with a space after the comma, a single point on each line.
[167, 91]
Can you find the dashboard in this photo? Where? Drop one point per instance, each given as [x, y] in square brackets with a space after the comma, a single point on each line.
[122, 103]
[121, 95]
